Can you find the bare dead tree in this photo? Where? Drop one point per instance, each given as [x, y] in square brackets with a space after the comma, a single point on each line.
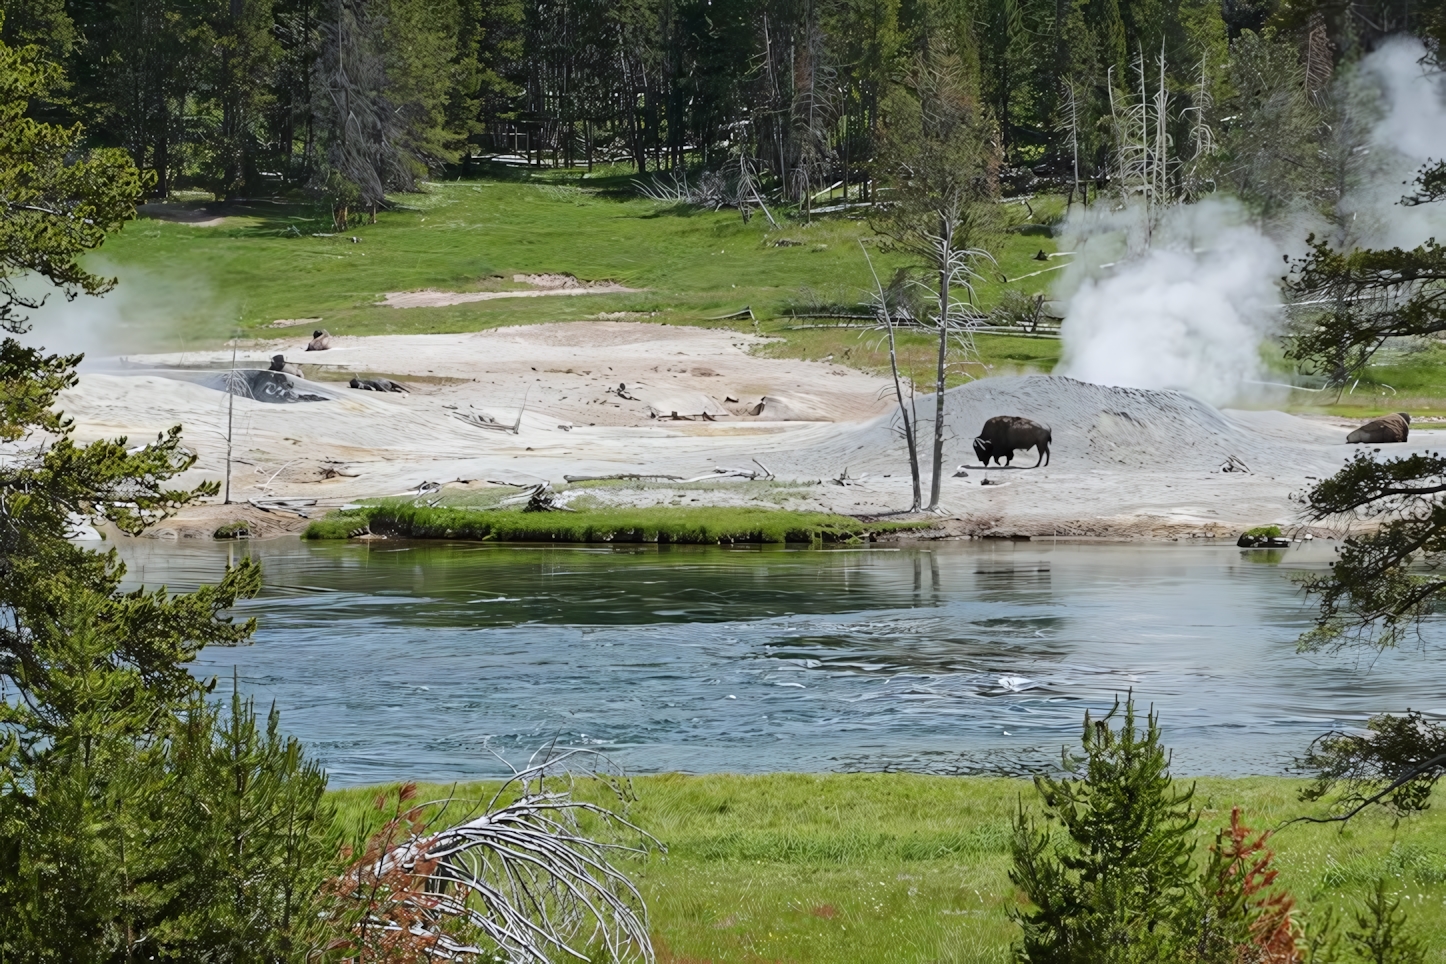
[362, 128]
[814, 112]
[520, 878]
[880, 303]
[942, 157]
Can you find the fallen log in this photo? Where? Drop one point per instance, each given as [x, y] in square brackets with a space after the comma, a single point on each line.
[293, 506]
[633, 476]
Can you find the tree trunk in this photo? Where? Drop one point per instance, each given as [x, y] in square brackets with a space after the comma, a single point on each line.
[911, 424]
[163, 153]
[946, 248]
[910, 439]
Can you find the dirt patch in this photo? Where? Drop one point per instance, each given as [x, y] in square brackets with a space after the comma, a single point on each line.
[542, 286]
[431, 298]
[562, 282]
[202, 522]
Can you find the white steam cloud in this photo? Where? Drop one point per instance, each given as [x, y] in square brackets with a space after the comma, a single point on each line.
[1409, 132]
[1189, 307]
[144, 312]
[1188, 313]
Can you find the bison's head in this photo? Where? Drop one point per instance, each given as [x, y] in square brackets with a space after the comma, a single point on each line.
[984, 450]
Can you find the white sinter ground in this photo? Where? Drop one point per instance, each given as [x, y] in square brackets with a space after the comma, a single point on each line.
[1126, 462]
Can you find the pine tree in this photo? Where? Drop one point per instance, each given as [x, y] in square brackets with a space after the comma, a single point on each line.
[241, 54]
[1379, 936]
[1117, 886]
[107, 817]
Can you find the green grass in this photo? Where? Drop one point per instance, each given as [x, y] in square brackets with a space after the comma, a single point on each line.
[704, 525]
[1271, 531]
[837, 869]
[264, 263]
[867, 350]
[190, 287]
[1396, 381]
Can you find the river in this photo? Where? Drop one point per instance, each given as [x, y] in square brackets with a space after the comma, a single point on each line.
[437, 661]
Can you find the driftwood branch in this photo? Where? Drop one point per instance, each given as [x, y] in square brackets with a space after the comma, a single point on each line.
[522, 878]
[633, 476]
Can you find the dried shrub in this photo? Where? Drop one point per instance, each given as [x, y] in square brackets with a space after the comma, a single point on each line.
[1246, 910]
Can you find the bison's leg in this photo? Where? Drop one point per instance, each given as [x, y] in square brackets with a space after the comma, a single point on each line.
[1043, 454]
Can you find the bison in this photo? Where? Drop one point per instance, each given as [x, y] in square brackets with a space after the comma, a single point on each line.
[1003, 435]
[1387, 428]
[320, 340]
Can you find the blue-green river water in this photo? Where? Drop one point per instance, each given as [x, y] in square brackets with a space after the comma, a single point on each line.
[431, 661]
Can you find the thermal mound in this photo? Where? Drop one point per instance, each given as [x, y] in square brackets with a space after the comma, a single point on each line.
[1124, 461]
[1104, 427]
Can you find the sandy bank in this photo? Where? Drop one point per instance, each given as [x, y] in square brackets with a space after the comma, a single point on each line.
[597, 398]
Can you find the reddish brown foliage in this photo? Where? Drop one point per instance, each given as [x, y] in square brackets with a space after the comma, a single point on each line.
[391, 913]
[1245, 877]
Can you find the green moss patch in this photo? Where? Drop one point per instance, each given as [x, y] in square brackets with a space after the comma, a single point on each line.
[1271, 532]
[233, 530]
[662, 524]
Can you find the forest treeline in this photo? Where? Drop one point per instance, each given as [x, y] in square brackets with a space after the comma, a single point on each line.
[357, 97]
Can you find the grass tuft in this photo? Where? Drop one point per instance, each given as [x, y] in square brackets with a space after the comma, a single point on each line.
[1272, 532]
[703, 525]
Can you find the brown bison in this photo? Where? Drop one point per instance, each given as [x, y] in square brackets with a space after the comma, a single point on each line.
[1003, 435]
[320, 340]
[1387, 428]
[280, 364]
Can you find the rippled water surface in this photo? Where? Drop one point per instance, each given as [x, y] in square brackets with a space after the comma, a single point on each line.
[425, 660]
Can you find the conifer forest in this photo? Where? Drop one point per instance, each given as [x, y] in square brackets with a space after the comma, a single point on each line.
[357, 97]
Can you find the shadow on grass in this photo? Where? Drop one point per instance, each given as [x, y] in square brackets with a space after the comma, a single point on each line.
[271, 216]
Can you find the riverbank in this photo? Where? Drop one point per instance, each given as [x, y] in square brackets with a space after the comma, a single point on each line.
[681, 416]
[846, 868]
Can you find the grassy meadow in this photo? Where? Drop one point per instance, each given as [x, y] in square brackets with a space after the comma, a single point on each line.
[865, 868]
[270, 261]
[185, 286]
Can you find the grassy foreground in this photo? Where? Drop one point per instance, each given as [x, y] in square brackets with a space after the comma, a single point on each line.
[662, 524]
[867, 868]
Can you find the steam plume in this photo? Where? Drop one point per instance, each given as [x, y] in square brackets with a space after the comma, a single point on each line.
[1410, 130]
[1188, 313]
